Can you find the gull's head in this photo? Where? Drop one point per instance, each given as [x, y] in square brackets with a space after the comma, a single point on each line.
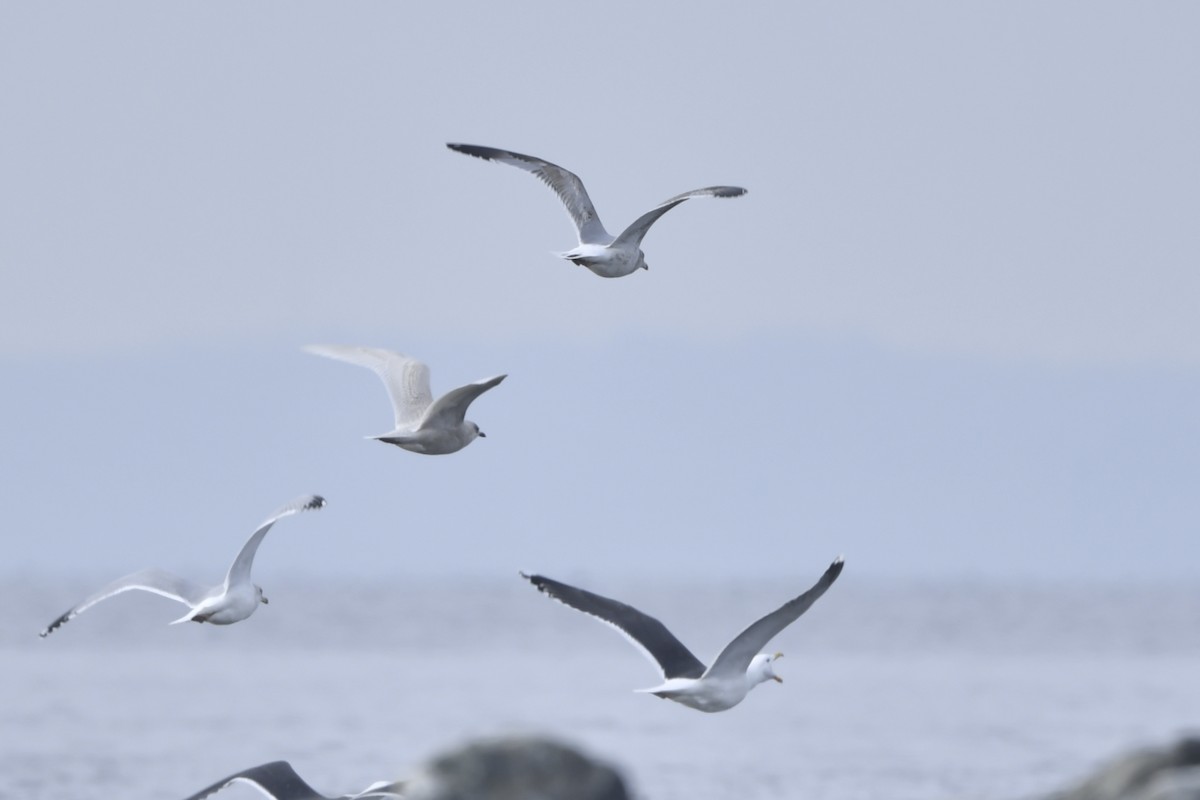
[762, 668]
[473, 430]
[258, 592]
[641, 262]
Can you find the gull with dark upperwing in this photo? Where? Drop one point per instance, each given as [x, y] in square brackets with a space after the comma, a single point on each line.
[278, 781]
[737, 669]
[223, 604]
[604, 254]
[423, 425]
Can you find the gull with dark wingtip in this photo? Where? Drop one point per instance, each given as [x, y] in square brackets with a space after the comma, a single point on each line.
[737, 669]
[223, 604]
[604, 254]
[278, 781]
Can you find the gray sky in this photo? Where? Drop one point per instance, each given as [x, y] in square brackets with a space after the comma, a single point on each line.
[952, 330]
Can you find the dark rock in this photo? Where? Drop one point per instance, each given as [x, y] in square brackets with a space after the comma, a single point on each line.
[516, 768]
[1153, 773]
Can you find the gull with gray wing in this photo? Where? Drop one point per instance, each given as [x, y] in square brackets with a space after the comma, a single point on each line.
[423, 425]
[223, 604]
[604, 254]
[737, 669]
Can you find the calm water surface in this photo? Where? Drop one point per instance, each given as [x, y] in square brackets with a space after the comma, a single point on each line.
[891, 691]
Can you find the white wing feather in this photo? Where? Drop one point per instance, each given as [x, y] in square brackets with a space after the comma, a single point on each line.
[239, 571]
[405, 378]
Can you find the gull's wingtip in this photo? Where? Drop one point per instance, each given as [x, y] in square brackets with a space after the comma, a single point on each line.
[834, 570]
[326, 350]
[305, 502]
[486, 153]
[537, 581]
[53, 626]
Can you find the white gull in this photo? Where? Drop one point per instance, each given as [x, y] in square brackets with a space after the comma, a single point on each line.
[423, 425]
[224, 604]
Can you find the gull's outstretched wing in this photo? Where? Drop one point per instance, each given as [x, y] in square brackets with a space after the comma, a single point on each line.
[647, 634]
[634, 234]
[153, 580]
[239, 571]
[566, 185]
[276, 780]
[406, 379]
[450, 409]
[736, 657]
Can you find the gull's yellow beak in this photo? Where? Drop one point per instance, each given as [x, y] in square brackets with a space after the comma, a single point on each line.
[777, 679]
[776, 657]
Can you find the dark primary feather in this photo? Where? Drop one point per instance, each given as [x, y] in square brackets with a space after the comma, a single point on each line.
[277, 778]
[58, 623]
[487, 153]
[708, 191]
[675, 659]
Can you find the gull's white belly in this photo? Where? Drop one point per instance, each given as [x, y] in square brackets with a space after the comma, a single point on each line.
[607, 262]
[227, 608]
[430, 441]
[702, 695]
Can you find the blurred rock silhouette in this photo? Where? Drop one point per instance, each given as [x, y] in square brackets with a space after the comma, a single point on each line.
[516, 768]
[1152, 773]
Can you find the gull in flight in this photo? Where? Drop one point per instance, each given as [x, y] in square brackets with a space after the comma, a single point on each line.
[423, 425]
[738, 668]
[223, 604]
[279, 781]
[604, 254]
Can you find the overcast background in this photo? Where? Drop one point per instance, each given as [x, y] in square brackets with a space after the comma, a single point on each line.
[951, 331]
